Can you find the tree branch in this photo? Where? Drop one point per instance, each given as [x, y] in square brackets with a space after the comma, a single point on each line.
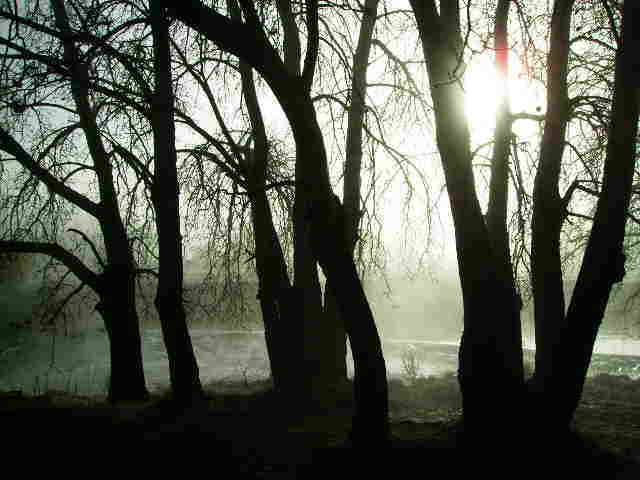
[54, 250]
[10, 146]
[313, 41]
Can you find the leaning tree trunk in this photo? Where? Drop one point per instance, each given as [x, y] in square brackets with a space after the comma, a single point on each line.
[116, 287]
[352, 181]
[603, 262]
[322, 356]
[371, 422]
[183, 368]
[325, 220]
[283, 328]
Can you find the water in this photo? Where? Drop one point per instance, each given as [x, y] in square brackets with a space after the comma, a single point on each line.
[80, 364]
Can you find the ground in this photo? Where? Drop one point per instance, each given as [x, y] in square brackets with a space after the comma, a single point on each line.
[247, 433]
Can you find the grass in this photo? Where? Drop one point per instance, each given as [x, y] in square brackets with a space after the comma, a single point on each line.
[242, 428]
[245, 430]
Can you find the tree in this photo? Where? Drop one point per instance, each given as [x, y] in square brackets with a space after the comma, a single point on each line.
[488, 376]
[121, 79]
[183, 367]
[352, 172]
[603, 264]
[315, 345]
[246, 166]
[490, 373]
[115, 285]
[323, 212]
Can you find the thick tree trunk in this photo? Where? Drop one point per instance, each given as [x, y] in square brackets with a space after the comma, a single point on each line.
[370, 423]
[183, 368]
[321, 354]
[283, 328]
[335, 343]
[282, 338]
[307, 283]
[603, 262]
[117, 287]
[117, 306]
[489, 379]
[548, 206]
[118, 309]
[293, 92]
[326, 225]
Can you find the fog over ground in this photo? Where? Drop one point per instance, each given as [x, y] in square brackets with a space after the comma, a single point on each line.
[419, 316]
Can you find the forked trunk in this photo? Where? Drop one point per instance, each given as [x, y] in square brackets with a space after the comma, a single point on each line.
[603, 262]
[371, 425]
[496, 217]
[490, 380]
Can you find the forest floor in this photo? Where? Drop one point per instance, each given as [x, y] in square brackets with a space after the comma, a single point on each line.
[242, 431]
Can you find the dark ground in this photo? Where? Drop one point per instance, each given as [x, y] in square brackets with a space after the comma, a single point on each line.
[251, 435]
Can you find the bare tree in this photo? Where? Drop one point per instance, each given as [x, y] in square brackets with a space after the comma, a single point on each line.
[183, 367]
[490, 375]
[323, 212]
[69, 70]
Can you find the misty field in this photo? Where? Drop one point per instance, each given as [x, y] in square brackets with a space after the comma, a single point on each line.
[34, 363]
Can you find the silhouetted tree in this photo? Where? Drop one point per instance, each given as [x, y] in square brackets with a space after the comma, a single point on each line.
[323, 212]
[114, 285]
[490, 372]
[183, 368]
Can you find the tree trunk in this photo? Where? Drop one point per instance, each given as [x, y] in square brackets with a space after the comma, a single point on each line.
[371, 423]
[352, 183]
[489, 381]
[118, 309]
[548, 206]
[318, 333]
[603, 262]
[183, 368]
[325, 222]
[280, 324]
[117, 287]
[496, 217]
[283, 329]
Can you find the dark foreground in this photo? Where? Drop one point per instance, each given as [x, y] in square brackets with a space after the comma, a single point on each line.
[251, 435]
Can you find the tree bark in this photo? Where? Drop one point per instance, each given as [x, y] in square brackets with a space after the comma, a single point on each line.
[371, 423]
[117, 307]
[315, 331]
[548, 206]
[603, 262]
[352, 177]
[183, 368]
[496, 217]
[116, 287]
[489, 380]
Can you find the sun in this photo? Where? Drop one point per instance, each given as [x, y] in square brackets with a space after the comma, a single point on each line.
[482, 90]
[481, 96]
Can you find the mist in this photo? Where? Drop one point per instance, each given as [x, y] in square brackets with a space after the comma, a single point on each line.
[419, 316]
